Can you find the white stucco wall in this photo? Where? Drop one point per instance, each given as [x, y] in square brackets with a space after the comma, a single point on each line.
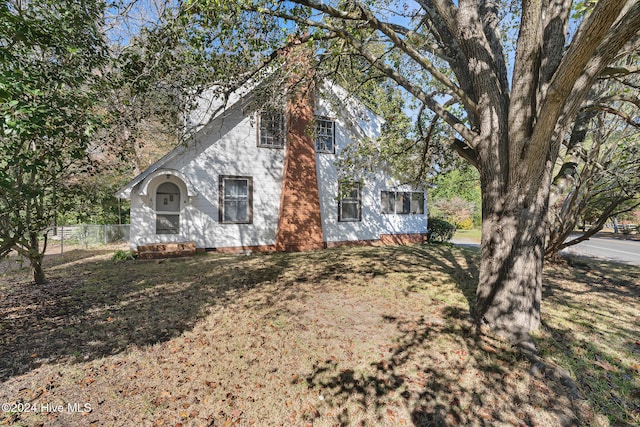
[227, 146]
[350, 121]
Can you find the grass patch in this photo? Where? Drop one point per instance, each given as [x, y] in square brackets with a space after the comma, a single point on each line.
[474, 234]
[349, 336]
[592, 328]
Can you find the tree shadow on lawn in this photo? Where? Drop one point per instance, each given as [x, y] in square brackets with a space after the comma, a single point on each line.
[91, 307]
[437, 370]
[441, 374]
[458, 262]
[598, 349]
[591, 327]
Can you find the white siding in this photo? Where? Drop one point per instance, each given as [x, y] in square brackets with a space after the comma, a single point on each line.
[227, 146]
[352, 122]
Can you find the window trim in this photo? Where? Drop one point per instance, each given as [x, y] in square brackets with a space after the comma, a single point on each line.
[283, 129]
[359, 201]
[167, 213]
[221, 180]
[333, 135]
[395, 200]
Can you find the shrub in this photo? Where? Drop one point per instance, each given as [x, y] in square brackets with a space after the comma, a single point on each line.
[465, 224]
[440, 230]
[121, 255]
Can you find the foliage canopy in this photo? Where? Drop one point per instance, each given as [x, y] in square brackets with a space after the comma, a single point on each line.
[50, 56]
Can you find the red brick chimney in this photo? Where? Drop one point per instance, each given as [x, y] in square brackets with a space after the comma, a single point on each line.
[299, 223]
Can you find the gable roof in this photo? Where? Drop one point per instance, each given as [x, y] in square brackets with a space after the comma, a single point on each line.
[210, 110]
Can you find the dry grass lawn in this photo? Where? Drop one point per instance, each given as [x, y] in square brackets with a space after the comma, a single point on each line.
[354, 336]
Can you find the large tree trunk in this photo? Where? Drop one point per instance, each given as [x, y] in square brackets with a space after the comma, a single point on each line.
[513, 236]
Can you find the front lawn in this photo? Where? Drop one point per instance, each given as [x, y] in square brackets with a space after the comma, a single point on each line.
[352, 336]
[467, 236]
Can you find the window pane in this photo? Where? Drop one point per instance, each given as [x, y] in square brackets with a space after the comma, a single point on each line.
[324, 135]
[168, 197]
[243, 211]
[271, 129]
[349, 205]
[236, 211]
[167, 224]
[388, 200]
[403, 202]
[417, 203]
[230, 211]
[235, 201]
[349, 211]
[406, 203]
[324, 143]
[235, 188]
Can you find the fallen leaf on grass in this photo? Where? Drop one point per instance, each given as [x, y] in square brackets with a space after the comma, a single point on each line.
[604, 365]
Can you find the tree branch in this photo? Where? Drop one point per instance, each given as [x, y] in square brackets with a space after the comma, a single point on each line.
[594, 47]
[369, 19]
[466, 152]
[614, 72]
[387, 70]
[616, 112]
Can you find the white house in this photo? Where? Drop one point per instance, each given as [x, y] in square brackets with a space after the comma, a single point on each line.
[267, 181]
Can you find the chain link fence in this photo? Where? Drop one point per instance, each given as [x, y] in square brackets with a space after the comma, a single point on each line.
[86, 235]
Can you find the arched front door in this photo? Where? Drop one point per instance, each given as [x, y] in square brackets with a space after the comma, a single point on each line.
[167, 209]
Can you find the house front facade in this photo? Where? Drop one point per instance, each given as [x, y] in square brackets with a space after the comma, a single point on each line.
[268, 181]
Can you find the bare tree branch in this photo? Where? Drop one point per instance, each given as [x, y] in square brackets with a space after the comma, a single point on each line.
[386, 69]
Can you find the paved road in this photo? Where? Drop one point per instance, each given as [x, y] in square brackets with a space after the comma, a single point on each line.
[626, 251]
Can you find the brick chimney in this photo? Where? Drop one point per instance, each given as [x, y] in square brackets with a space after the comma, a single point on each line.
[299, 223]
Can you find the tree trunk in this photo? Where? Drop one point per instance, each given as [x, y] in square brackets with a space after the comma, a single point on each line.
[38, 271]
[510, 283]
[35, 258]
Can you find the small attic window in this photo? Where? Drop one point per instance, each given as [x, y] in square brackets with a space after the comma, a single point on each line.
[325, 135]
[271, 132]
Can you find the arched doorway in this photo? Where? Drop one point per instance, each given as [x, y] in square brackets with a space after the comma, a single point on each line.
[168, 208]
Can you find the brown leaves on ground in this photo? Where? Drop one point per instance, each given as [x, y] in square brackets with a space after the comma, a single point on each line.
[358, 336]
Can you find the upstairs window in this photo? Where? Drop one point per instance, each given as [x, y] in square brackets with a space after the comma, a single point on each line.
[350, 202]
[271, 129]
[236, 200]
[402, 202]
[325, 136]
